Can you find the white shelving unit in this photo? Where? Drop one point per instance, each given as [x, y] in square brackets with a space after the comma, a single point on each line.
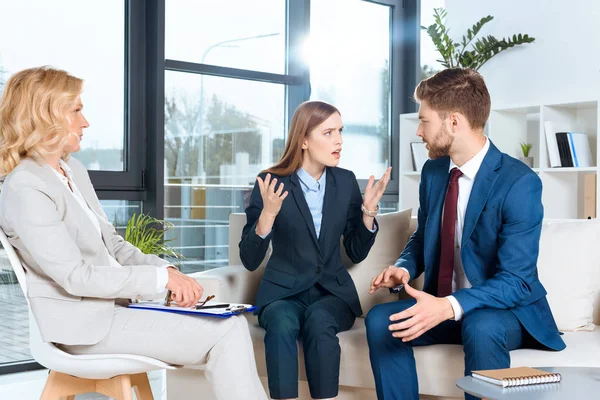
[507, 128]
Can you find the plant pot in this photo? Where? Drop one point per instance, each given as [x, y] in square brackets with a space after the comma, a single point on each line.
[527, 161]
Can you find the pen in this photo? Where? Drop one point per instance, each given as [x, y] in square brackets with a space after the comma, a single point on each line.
[215, 306]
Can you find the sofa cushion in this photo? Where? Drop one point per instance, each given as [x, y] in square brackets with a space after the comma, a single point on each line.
[389, 243]
[568, 266]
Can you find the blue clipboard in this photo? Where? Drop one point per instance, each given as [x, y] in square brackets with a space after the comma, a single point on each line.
[211, 312]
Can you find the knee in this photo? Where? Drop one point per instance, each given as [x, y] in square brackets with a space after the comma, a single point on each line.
[283, 325]
[318, 323]
[377, 323]
[480, 329]
[377, 319]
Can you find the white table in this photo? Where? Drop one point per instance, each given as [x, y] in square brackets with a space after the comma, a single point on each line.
[577, 383]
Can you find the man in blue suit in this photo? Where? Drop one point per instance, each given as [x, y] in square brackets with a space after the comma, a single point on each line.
[477, 241]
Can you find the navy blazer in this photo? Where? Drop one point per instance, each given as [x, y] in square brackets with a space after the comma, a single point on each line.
[300, 260]
[500, 241]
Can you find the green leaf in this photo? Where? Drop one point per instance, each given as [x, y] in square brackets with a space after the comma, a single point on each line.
[148, 234]
[457, 54]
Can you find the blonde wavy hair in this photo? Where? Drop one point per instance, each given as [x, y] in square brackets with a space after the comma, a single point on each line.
[33, 114]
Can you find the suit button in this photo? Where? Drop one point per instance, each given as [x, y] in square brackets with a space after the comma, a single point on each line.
[318, 270]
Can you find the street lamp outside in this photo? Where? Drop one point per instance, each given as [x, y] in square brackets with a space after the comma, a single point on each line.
[201, 173]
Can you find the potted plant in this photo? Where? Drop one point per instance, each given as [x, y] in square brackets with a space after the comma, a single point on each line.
[148, 234]
[459, 54]
[525, 148]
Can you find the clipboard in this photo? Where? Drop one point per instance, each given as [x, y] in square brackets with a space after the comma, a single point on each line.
[234, 309]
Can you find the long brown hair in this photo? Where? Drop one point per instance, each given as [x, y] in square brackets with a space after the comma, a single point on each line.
[457, 89]
[307, 116]
[32, 114]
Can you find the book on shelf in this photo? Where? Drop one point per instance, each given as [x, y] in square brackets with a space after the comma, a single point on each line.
[551, 128]
[521, 376]
[564, 150]
[567, 147]
[420, 155]
[574, 149]
[580, 149]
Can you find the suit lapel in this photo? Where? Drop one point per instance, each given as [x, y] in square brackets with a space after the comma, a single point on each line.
[328, 207]
[105, 230]
[303, 207]
[482, 187]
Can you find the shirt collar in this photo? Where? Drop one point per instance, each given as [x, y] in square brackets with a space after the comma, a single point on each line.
[66, 168]
[68, 171]
[310, 182]
[471, 167]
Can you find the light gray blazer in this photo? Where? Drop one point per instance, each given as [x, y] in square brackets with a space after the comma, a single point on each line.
[71, 286]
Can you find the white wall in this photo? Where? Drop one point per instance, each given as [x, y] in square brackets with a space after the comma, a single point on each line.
[562, 65]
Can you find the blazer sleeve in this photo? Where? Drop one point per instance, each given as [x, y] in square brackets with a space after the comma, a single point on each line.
[412, 257]
[518, 249]
[34, 217]
[253, 248]
[358, 240]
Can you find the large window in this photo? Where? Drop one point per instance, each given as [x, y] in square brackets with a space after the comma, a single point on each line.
[65, 35]
[219, 134]
[240, 34]
[348, 54]
[225, 116]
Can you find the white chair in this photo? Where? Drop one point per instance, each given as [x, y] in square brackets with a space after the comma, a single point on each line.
[113, 375]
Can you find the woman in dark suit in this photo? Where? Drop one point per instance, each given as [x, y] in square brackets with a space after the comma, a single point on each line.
[303, 205]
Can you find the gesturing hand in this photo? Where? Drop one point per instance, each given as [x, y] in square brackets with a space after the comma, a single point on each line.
[429, 312]
[272, 199]
[186, 291]
[374, 192]
[390, 277]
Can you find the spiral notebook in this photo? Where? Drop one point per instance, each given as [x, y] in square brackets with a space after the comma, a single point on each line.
[509, 377]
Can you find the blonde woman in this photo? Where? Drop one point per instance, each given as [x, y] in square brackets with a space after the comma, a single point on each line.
[78, 267]
[304, 205]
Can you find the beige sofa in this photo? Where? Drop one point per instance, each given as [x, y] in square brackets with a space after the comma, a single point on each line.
[569, 266]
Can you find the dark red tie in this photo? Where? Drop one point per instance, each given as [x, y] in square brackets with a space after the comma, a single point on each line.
[448, 234]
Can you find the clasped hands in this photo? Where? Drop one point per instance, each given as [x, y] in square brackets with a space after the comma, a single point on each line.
[427, 313]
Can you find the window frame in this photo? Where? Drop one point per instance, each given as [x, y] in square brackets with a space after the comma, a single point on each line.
[405, 64]
[131, 181]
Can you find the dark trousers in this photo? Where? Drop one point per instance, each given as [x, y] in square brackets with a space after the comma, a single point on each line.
[487, 336]
[315, 316]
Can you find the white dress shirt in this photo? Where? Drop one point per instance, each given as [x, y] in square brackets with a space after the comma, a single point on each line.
[465, 185]
[162, 274]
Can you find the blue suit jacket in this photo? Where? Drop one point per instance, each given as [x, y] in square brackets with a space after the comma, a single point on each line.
[500, 241]
[300, 259]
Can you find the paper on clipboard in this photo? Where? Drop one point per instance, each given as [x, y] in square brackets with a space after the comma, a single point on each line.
[233, 309]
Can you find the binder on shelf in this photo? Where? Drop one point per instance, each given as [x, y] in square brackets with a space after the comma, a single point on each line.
[589, 196]
[420, 155]
[580, 149]
[564, 150]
